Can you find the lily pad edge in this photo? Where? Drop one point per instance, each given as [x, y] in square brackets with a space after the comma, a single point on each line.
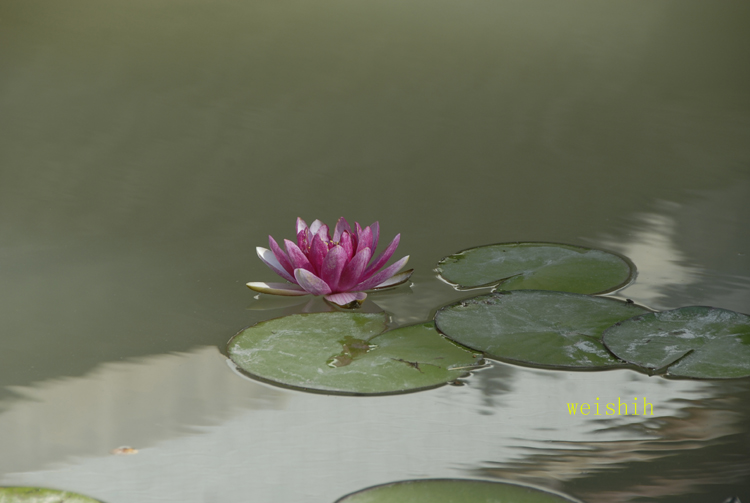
[552, 492]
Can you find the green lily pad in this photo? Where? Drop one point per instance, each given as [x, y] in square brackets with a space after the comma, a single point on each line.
[40, 495]
[537, 327]
[452, 491]
[537, 266]
[348, 353]
[695, 341]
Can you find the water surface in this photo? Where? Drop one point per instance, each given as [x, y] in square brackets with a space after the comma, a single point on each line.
[146, 148]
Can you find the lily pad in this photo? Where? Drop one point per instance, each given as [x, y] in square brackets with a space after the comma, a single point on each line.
[348, 353]
[453, 490]
[537, 266]
[695, 341]
[550, 329]
[40, 495]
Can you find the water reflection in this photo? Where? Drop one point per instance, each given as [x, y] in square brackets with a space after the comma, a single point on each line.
[674, 453]
[692, 253]
[495, 382]
[136, 402]
[519, 430]
[660, 263]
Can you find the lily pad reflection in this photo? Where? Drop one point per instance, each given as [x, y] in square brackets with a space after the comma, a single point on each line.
[349, 353]
[537, 266]
[551, 329]
[453, 490]
[695, 341]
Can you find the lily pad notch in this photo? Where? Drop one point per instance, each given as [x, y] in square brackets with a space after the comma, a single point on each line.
[537, 266]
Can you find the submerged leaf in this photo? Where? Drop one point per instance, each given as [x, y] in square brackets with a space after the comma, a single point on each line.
[537, 266]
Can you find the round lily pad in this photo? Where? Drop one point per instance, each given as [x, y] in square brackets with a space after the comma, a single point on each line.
[695, 341]
[40, 495]
[348, 353]
[537, 266]
[537, 327]
[451, 491]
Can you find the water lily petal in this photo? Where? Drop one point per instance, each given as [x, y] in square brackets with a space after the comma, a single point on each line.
[311, 282]
[324, 233]
[320, 229]
[315, 227]
[365, 240]
[270, 260]
[383, 275]
[352, 273]
[348, 244]
[296, 256]
[375, 235]
[278, 288]
[301, 225]
[318, 252]
[333, 264]
[341, 226]
[344, 298]
[303, 240]
[399, 278]
[383, 257]
[280, 255]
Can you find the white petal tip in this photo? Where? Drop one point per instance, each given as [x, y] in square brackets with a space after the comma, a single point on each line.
[395, 280]
[287, 289]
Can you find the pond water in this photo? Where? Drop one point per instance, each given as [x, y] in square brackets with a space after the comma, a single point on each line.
[147, 147]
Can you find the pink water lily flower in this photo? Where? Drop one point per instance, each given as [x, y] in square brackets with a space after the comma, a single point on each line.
[340, 268]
